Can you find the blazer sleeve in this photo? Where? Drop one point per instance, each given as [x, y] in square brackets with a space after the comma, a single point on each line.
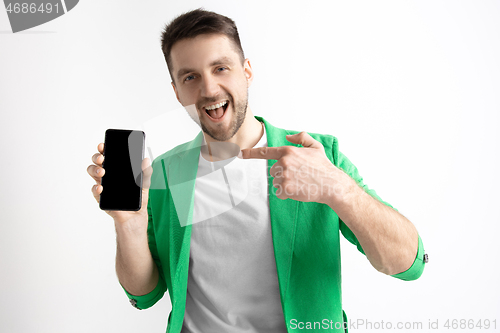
[145, 301]
[342, 162]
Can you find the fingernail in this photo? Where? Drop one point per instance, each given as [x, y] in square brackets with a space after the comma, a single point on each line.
[240, 154]
[97, 170]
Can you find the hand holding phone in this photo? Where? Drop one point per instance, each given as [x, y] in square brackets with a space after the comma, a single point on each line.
[124, 194]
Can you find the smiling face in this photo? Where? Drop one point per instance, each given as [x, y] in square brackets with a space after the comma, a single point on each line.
[209, 73]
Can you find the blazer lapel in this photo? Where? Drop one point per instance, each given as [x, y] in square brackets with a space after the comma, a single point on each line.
[181, 175]
[283, 214]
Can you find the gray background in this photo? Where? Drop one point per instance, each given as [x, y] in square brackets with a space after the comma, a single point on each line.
[410, 90]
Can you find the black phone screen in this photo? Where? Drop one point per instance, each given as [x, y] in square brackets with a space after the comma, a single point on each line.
[122, 180]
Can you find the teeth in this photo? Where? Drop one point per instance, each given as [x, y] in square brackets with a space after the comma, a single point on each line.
[212, 107]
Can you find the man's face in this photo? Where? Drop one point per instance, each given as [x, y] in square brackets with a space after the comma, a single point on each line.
[208, 73]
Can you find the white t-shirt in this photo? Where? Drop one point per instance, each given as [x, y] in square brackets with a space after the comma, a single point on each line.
[232, 279]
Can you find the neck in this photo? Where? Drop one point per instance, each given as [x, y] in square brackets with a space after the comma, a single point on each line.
[248, 135]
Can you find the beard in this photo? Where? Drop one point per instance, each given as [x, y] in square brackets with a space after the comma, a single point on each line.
[237, 118]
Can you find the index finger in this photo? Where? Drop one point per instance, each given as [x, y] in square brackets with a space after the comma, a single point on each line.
[268, 153]
[100, 147]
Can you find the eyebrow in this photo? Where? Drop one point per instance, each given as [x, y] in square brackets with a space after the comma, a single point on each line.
[220, 61]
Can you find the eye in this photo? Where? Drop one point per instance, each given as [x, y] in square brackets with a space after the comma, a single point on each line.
[220, 69]
[189, 78]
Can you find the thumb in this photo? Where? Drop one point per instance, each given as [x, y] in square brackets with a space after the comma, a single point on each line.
[303, 138]
[147, 171]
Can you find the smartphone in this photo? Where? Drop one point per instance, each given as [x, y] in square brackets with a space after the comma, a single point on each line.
[122, 180]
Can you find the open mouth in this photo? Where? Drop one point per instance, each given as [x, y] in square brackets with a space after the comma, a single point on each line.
[217, 111]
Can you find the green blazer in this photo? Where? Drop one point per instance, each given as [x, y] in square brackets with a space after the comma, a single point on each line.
[305, 239]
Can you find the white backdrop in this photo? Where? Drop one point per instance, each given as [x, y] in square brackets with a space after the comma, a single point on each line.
[411, 90]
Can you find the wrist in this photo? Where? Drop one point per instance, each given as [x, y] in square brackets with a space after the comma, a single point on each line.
[341, 191]
[132, 229]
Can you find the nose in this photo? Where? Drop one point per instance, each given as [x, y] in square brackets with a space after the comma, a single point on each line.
[209, 86]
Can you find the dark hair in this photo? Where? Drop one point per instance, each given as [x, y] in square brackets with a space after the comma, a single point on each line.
[194, 23]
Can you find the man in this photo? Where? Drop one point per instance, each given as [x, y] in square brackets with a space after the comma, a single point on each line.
[270, 263]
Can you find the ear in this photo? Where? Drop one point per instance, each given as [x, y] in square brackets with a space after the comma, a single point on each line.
[248, 71]
[175, 90]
